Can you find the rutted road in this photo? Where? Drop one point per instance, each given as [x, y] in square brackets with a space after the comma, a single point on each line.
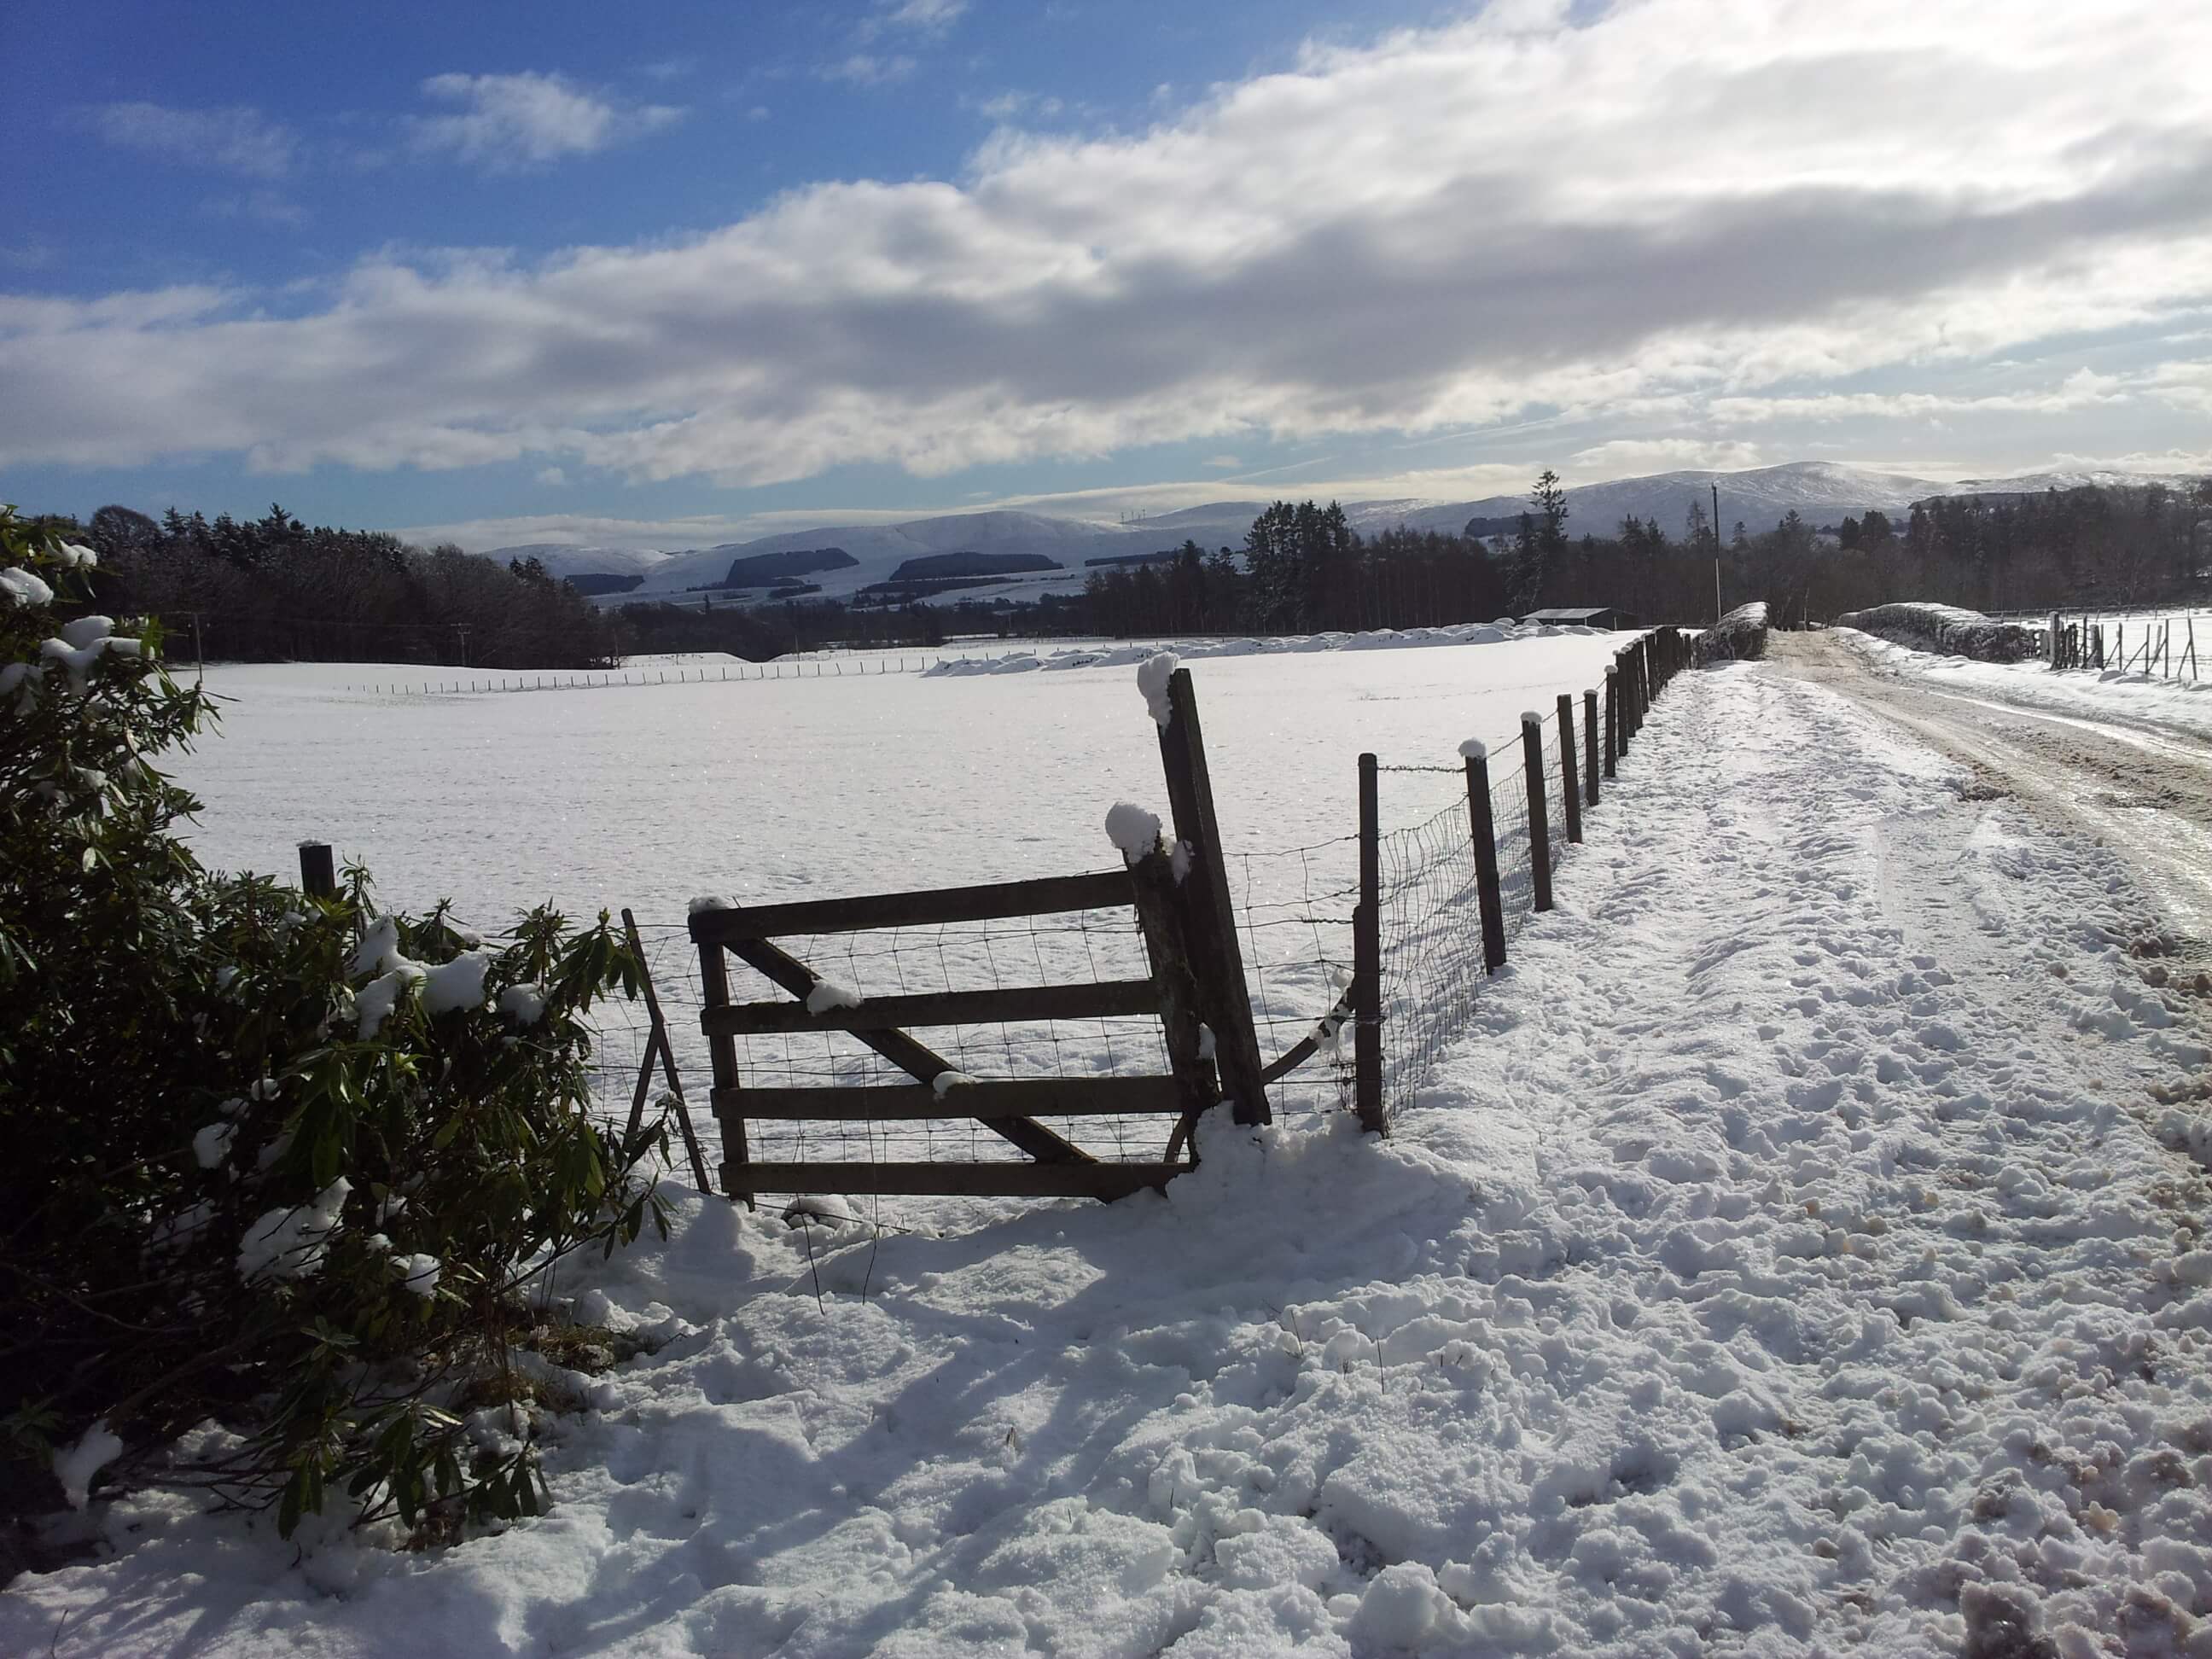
[2143, 790]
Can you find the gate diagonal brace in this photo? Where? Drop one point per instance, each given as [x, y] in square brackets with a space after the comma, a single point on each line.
[924, 1065]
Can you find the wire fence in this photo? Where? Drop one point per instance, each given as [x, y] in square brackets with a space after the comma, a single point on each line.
[1294, 910]
[1089, 945]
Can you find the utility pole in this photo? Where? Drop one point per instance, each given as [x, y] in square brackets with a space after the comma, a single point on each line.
[461, 633]
[1717, 552]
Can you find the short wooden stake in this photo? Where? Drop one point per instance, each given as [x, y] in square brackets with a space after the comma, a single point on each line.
[1540, 816]
[1484, 829]
[319, 876]
[657, 1043]
[1569, 794]
[1589, 747]
[1367, 961]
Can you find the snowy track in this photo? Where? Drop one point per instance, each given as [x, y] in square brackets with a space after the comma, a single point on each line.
[1788, 1261]
[2141, 787]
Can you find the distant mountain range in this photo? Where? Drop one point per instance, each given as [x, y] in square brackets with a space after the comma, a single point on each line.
[1821, 491]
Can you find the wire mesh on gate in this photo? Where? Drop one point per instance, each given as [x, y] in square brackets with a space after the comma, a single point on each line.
[1067, 948]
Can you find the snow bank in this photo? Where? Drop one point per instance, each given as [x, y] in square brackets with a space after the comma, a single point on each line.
[1739, 636]
[1946, 630]
[2186, 705]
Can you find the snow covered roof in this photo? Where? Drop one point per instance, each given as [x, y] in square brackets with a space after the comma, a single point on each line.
[1559, 615]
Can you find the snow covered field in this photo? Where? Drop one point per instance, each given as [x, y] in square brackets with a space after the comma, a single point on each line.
[1794, 1258]
[647, 795]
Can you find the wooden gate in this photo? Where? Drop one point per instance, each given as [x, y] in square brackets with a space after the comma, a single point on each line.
[1008, 1107]
[1196, 986]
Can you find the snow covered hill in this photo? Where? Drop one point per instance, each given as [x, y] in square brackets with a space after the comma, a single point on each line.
[1824, 492]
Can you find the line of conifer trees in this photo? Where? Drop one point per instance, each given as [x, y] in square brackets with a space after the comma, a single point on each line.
[275, 589]
[1303, 569]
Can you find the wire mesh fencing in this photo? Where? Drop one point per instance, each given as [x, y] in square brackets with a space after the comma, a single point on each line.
[1296, 912]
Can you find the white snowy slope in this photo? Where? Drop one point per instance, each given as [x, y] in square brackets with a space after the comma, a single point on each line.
[1786, 1263]
[879, 549]
[561, 559]
[2184, 705]
[1823, 492]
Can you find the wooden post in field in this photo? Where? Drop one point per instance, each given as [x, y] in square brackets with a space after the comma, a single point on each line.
[1589, 746]
[1611, 717]
[1215, 957]
[1569, 794]
[1539, 816]
[1367, 960]
[1484, 829]
[2057, 643]
[319, 876]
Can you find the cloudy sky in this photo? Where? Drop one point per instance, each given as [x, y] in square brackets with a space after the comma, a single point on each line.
[665, 274]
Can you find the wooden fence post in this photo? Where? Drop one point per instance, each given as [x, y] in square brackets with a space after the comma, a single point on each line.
[318, 870]
[1488, 898]
[1161, 918]
[1589, 746]
[1215, 957]
[1569, 795]
[1540, 814]
[1367, 960]
[1611, 717]
[722, 1052]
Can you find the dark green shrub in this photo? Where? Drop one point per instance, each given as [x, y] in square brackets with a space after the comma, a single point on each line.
[274, 1163]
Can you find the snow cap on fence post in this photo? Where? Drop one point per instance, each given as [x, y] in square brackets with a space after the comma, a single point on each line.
[1133, 829]
[1475, 749]
[1152, 676]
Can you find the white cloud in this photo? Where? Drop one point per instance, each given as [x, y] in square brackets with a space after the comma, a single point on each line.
[2084, 389]
[1620, 458]
[1006, 106]
[928, 18]
[234, 139]
[934, 15]
[1228, 463]
[552, 476]
[864, 69]
[510, 121]
[1683, 208]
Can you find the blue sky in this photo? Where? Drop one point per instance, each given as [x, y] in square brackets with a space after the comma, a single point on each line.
[659, 274]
